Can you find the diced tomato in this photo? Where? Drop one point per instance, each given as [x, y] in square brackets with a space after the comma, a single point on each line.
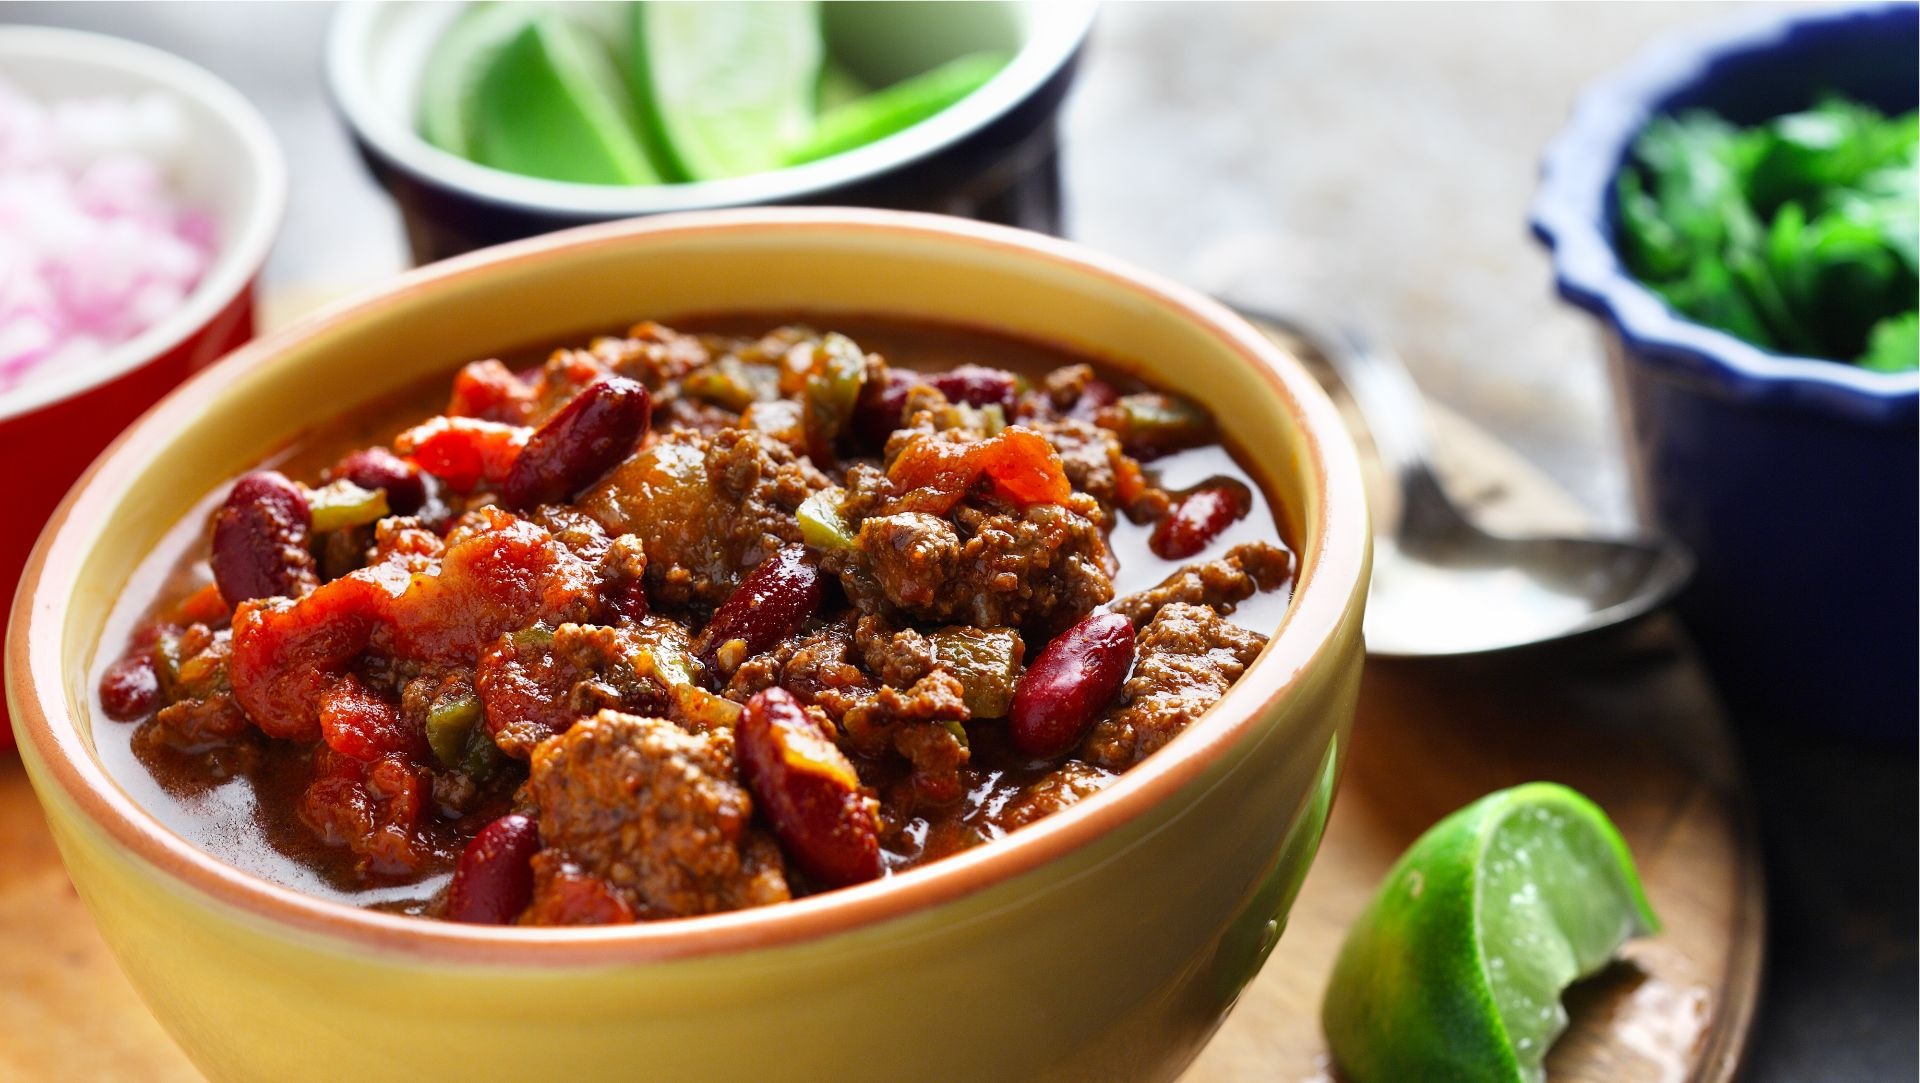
[565, 894]
[356, 722]
[1025, 469]
[373, 810]
[490, 391]
[286, 655]
[464, 451]
[203, 606]
[488, 584]
[1021, 465]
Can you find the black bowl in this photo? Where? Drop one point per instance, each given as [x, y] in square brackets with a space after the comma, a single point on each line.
[994, 156]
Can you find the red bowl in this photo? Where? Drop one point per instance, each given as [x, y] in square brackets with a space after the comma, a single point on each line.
[50, 429]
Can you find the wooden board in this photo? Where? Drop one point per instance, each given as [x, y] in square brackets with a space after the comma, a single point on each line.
[1632, 727]
[1628, 720]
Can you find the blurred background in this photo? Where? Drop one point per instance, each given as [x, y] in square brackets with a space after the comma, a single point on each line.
[1376, 159]
[1373, 161]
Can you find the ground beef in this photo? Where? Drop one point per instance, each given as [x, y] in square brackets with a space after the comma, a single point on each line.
[657, 813]
[1059, 788]
[1095, 462]
[817, 665]
[201, 724]
[574, 529]
[935, 699]
[535, 684]
[1043, 567]
[822, 671]
[407, 542]
[866, 491]
[919, 723]
[708, 508]
[1218, 584]
[691, 415]
[1184, 662]
[652, 354]
[1065, 385]
[898, 656]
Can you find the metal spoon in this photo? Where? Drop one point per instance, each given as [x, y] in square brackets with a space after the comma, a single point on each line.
[1443, 586]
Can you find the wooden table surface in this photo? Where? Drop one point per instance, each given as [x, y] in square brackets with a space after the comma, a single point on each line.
[1376, 158]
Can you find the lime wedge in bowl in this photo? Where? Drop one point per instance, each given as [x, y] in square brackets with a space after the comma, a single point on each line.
[898, 107]
[1455, 969]
[726, 86]
[838, 86]
[550, 103]
[453, 70]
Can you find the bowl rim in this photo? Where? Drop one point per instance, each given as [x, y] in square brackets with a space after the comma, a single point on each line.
[1060, 27]
[1327, 593]
[242, 253]
[1570, 211]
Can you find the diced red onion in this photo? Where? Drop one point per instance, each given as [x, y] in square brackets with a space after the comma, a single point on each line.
[95, 246]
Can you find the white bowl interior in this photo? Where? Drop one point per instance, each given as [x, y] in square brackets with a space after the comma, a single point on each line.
[377, 50]
[231, 168]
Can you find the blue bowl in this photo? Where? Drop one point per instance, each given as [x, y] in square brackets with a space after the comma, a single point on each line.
[1794, 479]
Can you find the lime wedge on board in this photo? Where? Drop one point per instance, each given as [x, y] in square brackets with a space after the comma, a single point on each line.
[726, 86]
[898, 107]
[453, 71]
[1455, 969]
[550, 103]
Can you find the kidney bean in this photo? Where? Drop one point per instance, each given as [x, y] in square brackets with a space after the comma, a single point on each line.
[1095, 396]
[493, 881]
[626, 598]
[1069, 683]
[775, 598]
[977, 385]
[808, 790]
[1197, 518]
[578, 445]
[877, 411]
[378, 468]
[260, 539]
[130, 688]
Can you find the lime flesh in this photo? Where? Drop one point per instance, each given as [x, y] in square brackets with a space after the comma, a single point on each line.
[898, 107]
[1455, 969]
[550, 103]
[838, 86]
[448, 85]
[726, 86]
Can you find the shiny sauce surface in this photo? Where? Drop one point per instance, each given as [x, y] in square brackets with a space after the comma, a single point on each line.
[238, 803]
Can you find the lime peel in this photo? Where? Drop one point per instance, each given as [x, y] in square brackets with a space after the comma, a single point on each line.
[724, 86]
[896, 108]
[453, 71]
[1456, 967]
[551, 104]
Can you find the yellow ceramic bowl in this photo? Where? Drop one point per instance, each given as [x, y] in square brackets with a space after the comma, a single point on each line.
[1106, 942]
